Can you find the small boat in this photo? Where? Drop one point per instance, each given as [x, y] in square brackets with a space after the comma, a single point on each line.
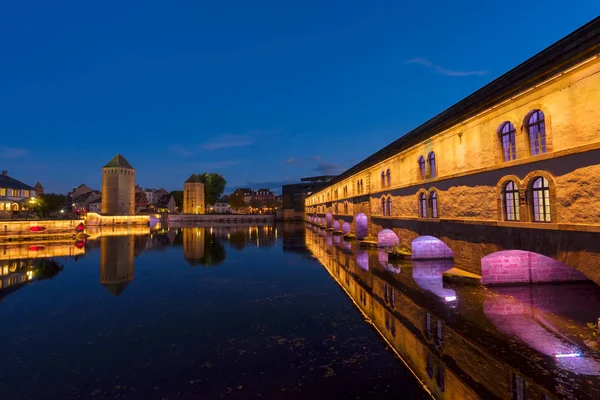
[36, 248]
[37, 228]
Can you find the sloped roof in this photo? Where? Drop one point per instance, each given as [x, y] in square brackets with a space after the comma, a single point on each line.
[194, 179]
[164, 199]
[118, 161]
[11, 183]
[116, 288]
[38, 186]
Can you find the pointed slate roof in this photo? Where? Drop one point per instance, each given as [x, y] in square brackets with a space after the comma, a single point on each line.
[116, 288]
[118, 161]
[194, 179]
[38, 186]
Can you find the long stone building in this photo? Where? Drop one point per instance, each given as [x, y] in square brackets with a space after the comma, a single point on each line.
[118, 187]
[507, 181]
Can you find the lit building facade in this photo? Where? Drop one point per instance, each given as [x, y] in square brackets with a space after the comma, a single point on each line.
[514, 166]
[193, 195]
[14, 194]
[118, 187]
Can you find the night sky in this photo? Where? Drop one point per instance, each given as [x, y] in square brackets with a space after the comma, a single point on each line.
[263, 92]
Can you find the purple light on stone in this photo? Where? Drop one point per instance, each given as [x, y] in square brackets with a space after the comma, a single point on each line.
[362, 260]
[328, 220]
[362, 229]
[336, 226]
[346, 228]
[387, 238]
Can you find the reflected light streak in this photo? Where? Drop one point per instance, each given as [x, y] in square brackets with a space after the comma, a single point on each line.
[567, 355]
[450, 298]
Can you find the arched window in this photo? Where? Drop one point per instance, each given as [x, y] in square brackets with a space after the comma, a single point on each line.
[382, 179]
[431, 161]
[389, 202]
[421, 162]
[507, 137]
[389, 177]
[345, 208]
[433, 202]
[423, 205]
[536, 128]
[383, 210]
[510, 199]
[541, 200]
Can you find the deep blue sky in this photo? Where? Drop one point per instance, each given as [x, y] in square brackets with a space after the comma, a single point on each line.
[259, 91]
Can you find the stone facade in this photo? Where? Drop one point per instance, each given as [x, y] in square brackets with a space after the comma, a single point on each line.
[118, 187]
[193, 196]
[459, 179]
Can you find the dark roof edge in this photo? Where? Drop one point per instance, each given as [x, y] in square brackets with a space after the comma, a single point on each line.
[574, 48]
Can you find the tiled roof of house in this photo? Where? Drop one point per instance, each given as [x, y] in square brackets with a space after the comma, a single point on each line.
[11, 183]
[164, 200]
[118, 161]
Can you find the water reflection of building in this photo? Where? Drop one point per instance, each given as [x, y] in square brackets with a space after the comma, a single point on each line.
[452, 348]
[193, 245]
[116, 262]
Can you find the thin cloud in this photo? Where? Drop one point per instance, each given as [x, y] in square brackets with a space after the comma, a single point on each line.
[325, 168]
[442, 70]
[291, 160]
[181, 150]
[226, 141]
[12, 152]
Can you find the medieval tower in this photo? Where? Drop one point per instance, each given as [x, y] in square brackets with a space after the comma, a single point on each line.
[116, 262]
[193, 195]
[118, 187]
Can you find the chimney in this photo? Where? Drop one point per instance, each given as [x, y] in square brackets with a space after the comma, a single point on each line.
[4, 173]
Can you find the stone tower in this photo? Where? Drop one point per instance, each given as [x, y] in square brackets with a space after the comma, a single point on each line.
[116, 262]
[118, 187]
[193, 195]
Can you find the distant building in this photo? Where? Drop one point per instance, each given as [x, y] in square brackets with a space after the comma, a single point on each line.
[79, 190]
[153, 195]
[193, 195]
[294, 194]
[246, 192]
[14, 194]
[39, 189]
[222, 205]
[118, 187]
[95, 206]
[141, 202]
[165, 204]
[264, 197]
[81, 203]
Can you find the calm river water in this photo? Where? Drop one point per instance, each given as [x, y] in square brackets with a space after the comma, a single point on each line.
[277, 312]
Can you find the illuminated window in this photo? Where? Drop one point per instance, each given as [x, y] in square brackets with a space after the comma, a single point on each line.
[429, 366]
[518, 387]
[536, 128]
[427, 324]
[423, 205]
[434, 206]
[431, 161]
[389, 177]
[441, 379]
[507, 136]
[382, 179]
[440, 333]
[541, 200]
[383, 207]
[421, 162]
[510, 199]
[389, 206]
[2, 191]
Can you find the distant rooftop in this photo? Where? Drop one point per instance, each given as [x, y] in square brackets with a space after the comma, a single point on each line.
[321, 178]
[11, 183]
[194, 179]
[118, 161]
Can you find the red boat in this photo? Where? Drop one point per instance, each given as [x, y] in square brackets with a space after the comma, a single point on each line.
[37, 228]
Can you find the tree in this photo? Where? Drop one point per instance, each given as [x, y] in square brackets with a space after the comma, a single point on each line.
[214, 185]
[178, 196]
[255, 203]
[46, 203]
[237, 201]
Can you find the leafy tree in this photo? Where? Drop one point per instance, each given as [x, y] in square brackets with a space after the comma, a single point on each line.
[255, 203]
[47, 268]
[237, 201]
[214, 185]
[47, 203]
[237, 239]
[178, 196]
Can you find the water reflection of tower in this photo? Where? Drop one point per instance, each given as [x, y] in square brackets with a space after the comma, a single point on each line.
[193, 245]
[116, 262]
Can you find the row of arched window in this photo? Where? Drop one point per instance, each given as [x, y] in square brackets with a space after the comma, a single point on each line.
[539, 200]
[429, 170]
[535, 124]
[386, 206]
[359, 186]
[428, 205]
[386, 178]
